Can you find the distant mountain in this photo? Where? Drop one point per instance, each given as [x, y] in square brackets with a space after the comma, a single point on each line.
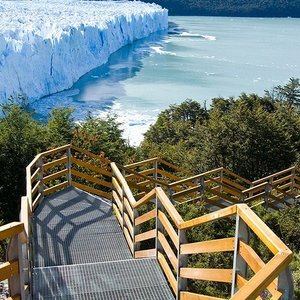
[242, 8]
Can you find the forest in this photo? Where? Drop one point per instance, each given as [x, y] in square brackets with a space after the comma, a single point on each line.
[233, 8]
[251, 135]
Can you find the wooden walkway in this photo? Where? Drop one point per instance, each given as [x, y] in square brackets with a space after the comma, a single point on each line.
[80, 252]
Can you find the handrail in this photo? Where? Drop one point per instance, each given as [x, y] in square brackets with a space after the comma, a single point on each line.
[273, 175]
[250, 289]
[13, 267]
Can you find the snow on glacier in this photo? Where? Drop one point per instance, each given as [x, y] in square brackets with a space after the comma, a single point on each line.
[45, 46]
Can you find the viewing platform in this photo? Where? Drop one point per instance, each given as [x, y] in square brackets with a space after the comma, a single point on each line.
[92, 229]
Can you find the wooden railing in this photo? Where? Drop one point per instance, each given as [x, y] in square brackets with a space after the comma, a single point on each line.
[13, 269]
[141, 204]
[69, 165]
[167, 231]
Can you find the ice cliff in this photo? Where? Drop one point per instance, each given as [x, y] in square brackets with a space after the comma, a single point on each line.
[45, 46]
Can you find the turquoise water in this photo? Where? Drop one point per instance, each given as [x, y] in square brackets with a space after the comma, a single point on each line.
[199, 58]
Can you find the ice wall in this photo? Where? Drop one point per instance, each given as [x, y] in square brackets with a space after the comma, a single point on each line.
[45, 46]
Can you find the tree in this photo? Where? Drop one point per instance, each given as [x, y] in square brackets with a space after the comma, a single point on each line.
[60, 126]
[101, 136]
[21, 138]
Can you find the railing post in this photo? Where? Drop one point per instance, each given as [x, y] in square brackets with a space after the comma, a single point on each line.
[29, 186]
[158, 226]
[40, 178]
[136, 246]
[293, 174]
[69, 166]
[155, 164]
[181, 263]
[286, 284]
[17, 282]
[202, 185]
[239, 265]
[221, 180]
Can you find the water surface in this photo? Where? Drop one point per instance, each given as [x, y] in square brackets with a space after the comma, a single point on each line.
[199, 58]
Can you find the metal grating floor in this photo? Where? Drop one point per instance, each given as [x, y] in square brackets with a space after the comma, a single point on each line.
[139, 279]
[73, 227]
[80, 252]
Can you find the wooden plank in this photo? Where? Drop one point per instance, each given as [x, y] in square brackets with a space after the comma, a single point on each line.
[118, 201]
[35, 175]
[217, 275]
[123, 183]
[266, 235]
[226, 188]
[264, 277]
[145, 253]
[214, 216]
[193, 296]
[129, 225]
[55, 150]
[255, 263]
[36, 201]
[169, 228]
[117, 187]
[129, 240]
[55, 163]
[15, 297]
[53, 189]
[35, 189]
[167, 204]
[144, 183]
[128, 208]
[168, 250]
[192, 178]
[9, 269]
[273, 175]
[176, 168]
[141, 163]
[150, 234]
[233, 183]
[144, 172]
[88, 153]
[222, 195]
[147, 198]
[168, 174]
[118, 215]
[167, 271]
[91, 190]
[10, 229]
[220, 245]
[55, 175]
[237, 176]
[145, 217]
[92, 179]
[90, 167]
[186, 192]
[283, 179]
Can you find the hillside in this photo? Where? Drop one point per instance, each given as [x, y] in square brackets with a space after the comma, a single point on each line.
[242, 8]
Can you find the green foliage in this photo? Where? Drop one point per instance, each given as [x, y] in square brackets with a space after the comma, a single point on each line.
[257, 8]
[101, 135]
[253, 136]
[21, 138]
[60, 126]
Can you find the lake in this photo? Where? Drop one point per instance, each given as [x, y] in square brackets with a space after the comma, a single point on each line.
[198, 58]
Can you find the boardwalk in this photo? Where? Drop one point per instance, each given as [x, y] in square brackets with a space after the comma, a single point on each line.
[80, 252]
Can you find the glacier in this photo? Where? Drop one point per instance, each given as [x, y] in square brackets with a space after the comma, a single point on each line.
[46, 46]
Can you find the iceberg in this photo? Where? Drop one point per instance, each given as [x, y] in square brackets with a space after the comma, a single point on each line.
[46, 46]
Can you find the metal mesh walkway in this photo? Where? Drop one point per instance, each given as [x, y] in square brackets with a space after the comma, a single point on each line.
[80, 252]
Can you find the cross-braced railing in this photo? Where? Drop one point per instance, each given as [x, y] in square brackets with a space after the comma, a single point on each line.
[144, 195]
[167, 230]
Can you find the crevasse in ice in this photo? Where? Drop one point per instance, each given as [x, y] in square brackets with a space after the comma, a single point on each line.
[45, 46]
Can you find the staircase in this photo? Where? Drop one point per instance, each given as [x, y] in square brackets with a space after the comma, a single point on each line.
[92, 229]
[80, 252]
